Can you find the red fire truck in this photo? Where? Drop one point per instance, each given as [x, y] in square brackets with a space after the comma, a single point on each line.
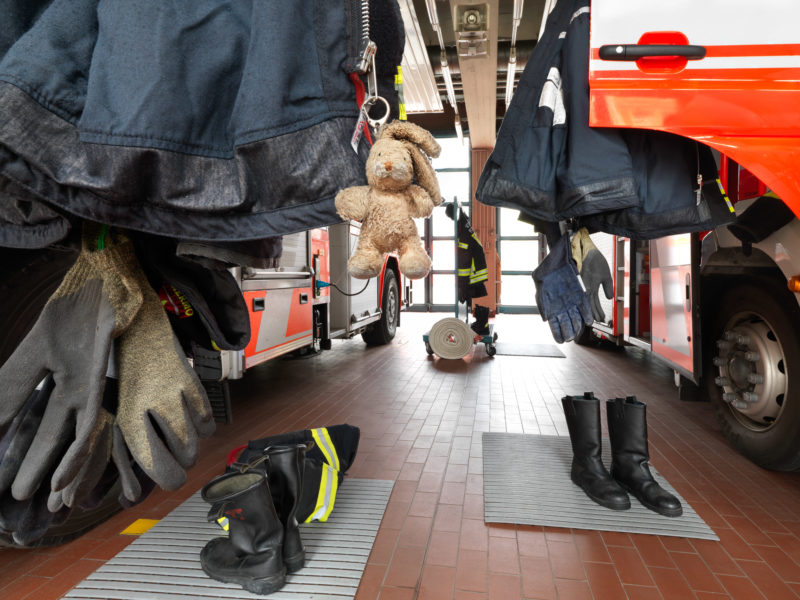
[721, 314]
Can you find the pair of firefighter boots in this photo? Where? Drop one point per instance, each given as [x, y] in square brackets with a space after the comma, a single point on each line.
[630, 473]
[260, 503]
[481, 324]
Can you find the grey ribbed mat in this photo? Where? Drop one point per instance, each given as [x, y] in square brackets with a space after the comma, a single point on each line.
[548, 350]
[164, 562]
[526, 481]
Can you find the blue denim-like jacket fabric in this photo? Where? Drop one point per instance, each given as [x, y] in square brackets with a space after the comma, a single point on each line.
[199, 119]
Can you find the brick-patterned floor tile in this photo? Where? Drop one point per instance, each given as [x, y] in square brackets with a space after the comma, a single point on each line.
[574, 590]
[371, 580]
[696, 572]
[616, 538]
[531, 541]
[780, 562]
[405, 568]
[565, 561]
[503, 555]
[604, 581]
[670, 583]
[740, 588]
[537, 578]
[448, 518]
[415, 531]
[442, 549]
[638, 592]
[591, 546]
[504, 587]
[437, 583]
[716, 557]
[472, 571]
[630, 566]
[474, 535]
[767, 581]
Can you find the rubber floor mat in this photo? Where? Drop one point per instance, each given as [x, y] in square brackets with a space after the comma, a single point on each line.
[548, 350]
[526, 481]
[164, 562]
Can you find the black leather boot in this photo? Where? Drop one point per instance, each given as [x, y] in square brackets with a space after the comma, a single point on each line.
[588, 471]
[286, 467]
[481, 324]
[627, 428]
[252, 554]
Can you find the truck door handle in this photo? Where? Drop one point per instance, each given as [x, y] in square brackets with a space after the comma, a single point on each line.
[632, 52]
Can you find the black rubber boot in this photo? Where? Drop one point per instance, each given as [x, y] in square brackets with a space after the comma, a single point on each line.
[252, 554]
[627, 428]
[481, 324]
[588, 471]
[286, 467]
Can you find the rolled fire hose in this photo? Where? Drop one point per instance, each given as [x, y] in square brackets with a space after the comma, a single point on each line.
[451, 338]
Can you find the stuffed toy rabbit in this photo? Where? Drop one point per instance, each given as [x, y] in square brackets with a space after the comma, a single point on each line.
[388, 204]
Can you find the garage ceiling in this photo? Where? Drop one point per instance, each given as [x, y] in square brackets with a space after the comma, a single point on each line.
[478, 78]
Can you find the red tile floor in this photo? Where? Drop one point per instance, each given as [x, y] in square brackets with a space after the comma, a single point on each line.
[421, 421]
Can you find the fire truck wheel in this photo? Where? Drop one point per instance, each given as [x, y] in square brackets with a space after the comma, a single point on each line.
[752, 373]
[382, 332]
[27, 279]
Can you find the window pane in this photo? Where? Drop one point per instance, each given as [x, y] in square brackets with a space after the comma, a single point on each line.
[420, 223]
[454, 185]
[443, 226]
[444, 289]
[517, 290]
[455, 155]
[444, 255]
[509, 225]
[417, 290]
[519, 255]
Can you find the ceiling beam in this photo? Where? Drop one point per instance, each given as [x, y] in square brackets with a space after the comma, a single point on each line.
[479, 80]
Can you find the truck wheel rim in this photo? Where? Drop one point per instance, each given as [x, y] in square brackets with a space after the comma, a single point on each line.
[391, 310]
[752, 371]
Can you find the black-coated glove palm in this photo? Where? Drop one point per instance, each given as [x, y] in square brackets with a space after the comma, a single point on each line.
[71, 340]
[594, 270]
[561, 299]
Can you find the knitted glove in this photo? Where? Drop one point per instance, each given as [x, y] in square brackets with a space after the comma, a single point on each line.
[71, 340]
[163, 407]
[560, 296]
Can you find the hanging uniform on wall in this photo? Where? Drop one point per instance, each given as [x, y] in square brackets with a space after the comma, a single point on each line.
[470, 258]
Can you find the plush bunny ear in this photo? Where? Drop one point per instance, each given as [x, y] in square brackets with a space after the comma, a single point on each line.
[424, 173]
[403, 130]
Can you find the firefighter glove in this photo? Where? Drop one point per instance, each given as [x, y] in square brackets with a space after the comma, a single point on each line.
[71, 340]
[163, 407]
[560, 296]
[594, 271]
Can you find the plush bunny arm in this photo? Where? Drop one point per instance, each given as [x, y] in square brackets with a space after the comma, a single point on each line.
[351, 203]
[420, 204]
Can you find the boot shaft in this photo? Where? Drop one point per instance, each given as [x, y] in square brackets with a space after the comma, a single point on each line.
[245, 499]
[583, 421]
[627, 429]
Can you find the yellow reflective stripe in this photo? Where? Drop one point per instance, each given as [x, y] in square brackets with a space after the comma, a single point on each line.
[475, 237]
[464, 246]
[326, 446]
[481, 272]
[724, 195]
[223, 522]
[329, 482]
[464, 272]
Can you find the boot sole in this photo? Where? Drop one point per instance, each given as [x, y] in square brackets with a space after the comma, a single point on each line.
[263, 586]
[611, 505]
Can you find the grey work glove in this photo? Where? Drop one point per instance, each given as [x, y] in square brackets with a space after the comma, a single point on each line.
[594, 270]
[71, 340]
[560, 296]
[163, 408]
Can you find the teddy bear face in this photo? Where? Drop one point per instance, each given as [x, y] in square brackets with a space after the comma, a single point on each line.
[389, 166]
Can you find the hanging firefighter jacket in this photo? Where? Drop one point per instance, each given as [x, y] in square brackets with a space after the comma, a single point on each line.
[470, 259]
[213, 120]
[550, 164]
[333, 452]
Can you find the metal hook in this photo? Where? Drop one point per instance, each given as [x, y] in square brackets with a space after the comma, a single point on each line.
[368, 103]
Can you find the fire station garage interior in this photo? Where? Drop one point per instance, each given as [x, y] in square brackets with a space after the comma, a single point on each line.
[399, 299]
